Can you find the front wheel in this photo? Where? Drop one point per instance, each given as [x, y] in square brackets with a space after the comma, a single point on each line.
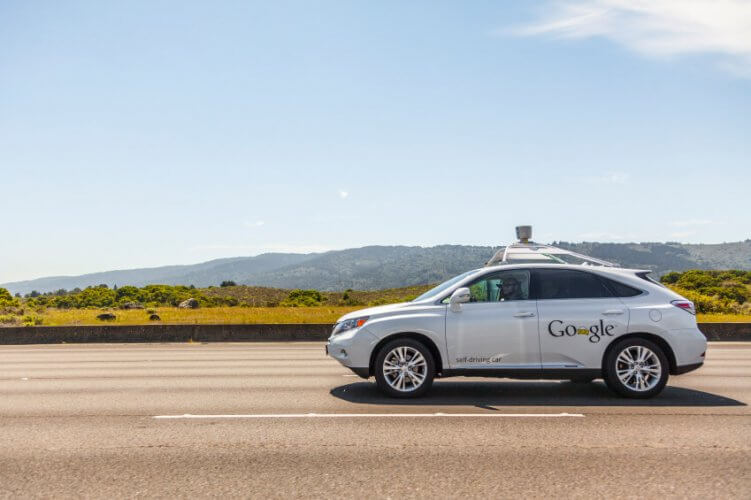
[636, 368]
[404, 368]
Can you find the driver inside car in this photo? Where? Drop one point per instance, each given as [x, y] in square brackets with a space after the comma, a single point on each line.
[510, 289]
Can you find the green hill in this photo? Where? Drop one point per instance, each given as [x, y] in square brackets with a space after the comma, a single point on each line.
[379, 267]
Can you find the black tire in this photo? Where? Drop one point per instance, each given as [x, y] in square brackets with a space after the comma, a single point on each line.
[428, 371]
[612, 364]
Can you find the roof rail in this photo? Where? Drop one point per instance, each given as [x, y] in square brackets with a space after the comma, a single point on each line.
[528, 252]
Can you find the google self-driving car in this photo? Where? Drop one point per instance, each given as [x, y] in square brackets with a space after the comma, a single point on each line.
[535, 316]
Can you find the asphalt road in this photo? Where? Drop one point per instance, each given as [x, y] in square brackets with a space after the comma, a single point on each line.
[79, 420]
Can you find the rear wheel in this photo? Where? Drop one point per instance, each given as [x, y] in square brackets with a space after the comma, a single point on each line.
[404, 368]
[636, 368]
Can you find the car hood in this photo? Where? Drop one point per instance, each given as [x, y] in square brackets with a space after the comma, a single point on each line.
[376, 311]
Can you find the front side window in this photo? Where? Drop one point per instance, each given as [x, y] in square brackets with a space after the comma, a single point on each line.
[501, 287]
[569, 284]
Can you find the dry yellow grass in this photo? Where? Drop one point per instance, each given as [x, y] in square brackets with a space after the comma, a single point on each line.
[247, 315]
[723, 318]
[209, 315]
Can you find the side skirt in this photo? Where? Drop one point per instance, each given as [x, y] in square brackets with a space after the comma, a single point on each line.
[361, 372]
[526, 373]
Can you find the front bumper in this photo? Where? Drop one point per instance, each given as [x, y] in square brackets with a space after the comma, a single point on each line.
[352, 349]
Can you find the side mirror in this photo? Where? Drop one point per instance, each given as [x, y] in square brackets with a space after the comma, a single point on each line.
[460, 296]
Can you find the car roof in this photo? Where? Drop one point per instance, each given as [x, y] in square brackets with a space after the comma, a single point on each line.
[605, 269]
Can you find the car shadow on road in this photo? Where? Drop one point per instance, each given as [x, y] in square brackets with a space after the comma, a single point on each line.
[523, 393]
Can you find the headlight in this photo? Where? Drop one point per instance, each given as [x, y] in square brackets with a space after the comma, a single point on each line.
[349, 324]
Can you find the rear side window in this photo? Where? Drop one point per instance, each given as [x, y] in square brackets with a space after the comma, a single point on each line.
[646, 277]
[621, 290]
[569, 284]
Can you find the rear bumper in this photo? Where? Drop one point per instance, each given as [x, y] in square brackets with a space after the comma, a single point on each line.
[680, 370]
[689, 347]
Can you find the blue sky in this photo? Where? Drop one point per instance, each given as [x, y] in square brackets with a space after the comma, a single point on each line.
[164, 132]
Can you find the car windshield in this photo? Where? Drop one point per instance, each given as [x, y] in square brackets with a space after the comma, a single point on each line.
[443, 286]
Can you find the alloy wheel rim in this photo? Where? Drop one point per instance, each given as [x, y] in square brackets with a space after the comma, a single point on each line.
[638, 368]
[405, 368]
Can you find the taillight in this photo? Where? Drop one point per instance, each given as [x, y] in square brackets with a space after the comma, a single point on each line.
[686, 305]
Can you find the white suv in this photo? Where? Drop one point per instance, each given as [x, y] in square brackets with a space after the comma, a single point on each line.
[534, 321]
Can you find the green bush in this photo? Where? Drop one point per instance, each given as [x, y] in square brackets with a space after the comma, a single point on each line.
[6, 299]
[127, 294]
[7, 319]
[303, 298]
[706, 304]
[730, 287]
[670, 278]
[32, 320]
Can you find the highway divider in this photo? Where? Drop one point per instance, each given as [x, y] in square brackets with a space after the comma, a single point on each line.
[165, 333]
[290, 332]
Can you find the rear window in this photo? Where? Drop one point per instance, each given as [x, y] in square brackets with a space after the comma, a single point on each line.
[569, 284]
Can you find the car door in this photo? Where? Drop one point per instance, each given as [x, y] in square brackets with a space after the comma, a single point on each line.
[578, 315]
[497, 328]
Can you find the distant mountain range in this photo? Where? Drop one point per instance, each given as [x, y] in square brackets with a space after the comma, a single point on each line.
[377, 267]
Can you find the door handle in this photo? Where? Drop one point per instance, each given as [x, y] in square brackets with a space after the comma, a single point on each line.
[524, 315]
[610, 312]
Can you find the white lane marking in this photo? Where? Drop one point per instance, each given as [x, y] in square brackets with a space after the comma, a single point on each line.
[374, 415]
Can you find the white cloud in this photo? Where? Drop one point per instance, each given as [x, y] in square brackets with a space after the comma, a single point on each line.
[691, 222]
[343, 194]
[656, 28]
[253, 224]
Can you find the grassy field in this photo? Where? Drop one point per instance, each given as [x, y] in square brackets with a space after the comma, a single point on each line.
[247, 315]
[724, 296]
[209, 315]
[723, 318]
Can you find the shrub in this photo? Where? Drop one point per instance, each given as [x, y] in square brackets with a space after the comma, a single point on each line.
[670, 278]
[707, 304]
[128, 293]
[7, 319]
[6, 299]
[32, 320]
[227, 283]
[303, 298]
[727, 287]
